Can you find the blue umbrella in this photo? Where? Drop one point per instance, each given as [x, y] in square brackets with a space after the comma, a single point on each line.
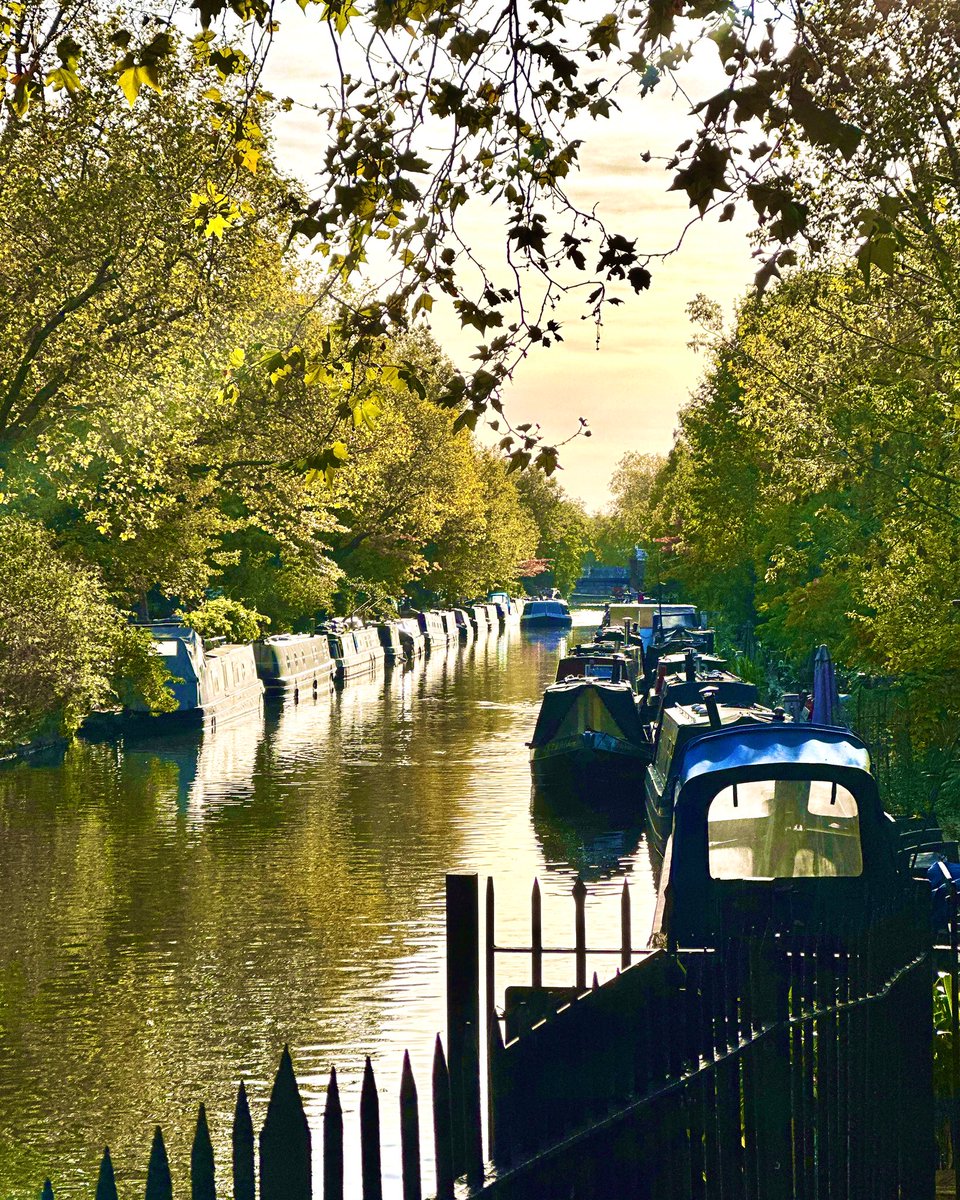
[826, 697]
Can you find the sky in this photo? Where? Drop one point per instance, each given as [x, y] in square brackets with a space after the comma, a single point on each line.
[632, 387]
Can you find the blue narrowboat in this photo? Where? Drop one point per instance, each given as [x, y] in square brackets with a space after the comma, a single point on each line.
[685, 712]
[212, 682]
[774, 825]
[546, 614]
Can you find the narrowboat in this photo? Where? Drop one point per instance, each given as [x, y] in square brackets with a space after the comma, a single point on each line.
[680, 722]
[295, 662]
[433, 629]
[589, 728]
[546, 614]
[493, 617]
[449, 619]
[508, 609]
[478, 617]
[465, 628]
[357, 652]
[212, 682]
[599, 661]
[775, 826]
[390, 640]
[411, 638]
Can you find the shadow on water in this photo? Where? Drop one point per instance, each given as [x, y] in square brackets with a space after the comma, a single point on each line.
[594, 841]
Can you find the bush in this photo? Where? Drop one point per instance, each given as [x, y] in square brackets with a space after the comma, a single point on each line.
[226, 618]
[65, 649]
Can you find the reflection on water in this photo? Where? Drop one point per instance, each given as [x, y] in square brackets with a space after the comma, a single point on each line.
[177, 909]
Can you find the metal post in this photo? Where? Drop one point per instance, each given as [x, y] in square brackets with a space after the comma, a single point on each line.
[626, 950]
[580, 943]
[536, 937]
[463, 995]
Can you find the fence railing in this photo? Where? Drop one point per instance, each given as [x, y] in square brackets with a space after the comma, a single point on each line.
[776, 1065]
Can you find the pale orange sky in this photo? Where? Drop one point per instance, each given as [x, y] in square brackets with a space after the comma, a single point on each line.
[631, 389]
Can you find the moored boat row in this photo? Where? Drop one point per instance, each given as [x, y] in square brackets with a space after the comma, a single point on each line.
[212, 681]
[753, 819]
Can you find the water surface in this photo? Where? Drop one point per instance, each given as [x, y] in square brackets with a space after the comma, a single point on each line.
[175, 910]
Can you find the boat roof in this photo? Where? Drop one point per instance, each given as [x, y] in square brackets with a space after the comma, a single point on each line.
[546, 605]
[773, 744]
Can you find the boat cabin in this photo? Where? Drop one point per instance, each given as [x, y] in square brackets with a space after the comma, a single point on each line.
[776, 823]
[615, 668]
[679, 724]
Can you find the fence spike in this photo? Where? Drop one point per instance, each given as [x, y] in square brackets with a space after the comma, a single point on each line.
[285, 1140]
[203, 1185]
[442, 1130]
[244, 1172]
[409, 1132]
[159, 1184]
[47, 1192]
[370, 1135]
[333, 1141]
[106, 1180]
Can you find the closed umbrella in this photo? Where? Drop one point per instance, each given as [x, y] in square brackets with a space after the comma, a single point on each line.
[826, 697]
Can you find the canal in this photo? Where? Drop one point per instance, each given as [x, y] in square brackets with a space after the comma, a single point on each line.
[174, 911]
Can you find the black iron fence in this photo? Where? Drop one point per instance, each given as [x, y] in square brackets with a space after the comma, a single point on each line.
[774, 1065]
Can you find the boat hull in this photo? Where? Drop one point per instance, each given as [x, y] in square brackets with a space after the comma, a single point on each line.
[546, 622]
[588, 756]
[206, 716]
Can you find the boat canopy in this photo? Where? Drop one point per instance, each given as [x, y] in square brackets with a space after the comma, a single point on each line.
[577, 704]
[777, 826]
[776, 744]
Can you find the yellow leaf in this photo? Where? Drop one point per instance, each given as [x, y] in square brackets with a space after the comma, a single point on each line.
[340, 451]
[63, 79]
[130, 82]
[150, 76]
[212, 94]
[215, 226]
[251, 159]
[424, 302]
[237, 357]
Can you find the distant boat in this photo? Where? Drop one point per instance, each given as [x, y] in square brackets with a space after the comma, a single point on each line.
[295, 662]
[212, 683]
[509, 610]
[546, 614]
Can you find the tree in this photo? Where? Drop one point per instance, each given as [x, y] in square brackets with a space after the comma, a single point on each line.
[563, 524]
[433, 105]
[628, 520]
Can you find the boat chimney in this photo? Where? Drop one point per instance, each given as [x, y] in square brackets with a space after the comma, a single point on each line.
[709, 695]
[616, 671]
[779, 714]
[690, 665]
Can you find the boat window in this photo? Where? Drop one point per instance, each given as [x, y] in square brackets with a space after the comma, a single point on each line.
[167, 648]
[784, 829]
